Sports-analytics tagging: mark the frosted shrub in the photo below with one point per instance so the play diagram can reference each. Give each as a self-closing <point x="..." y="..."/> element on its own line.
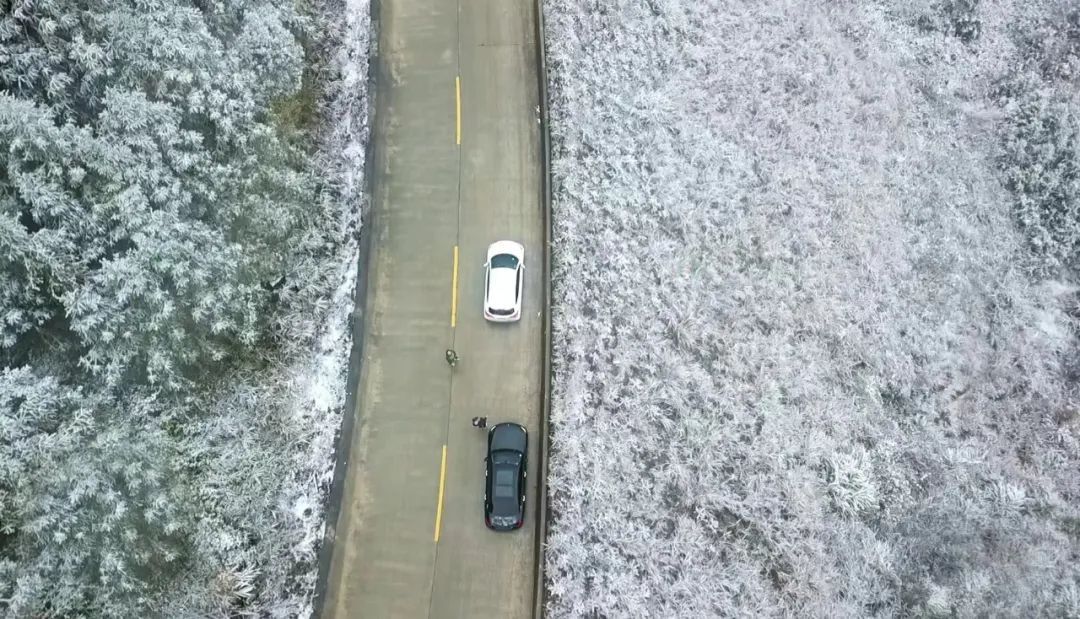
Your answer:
<point x="939" y="602"/>
<point x="1041" y="164"/>
<point x="234" y="587"/>
<point x="962" y="17"/>
<point x="851" y="484"/>
<point x="808" y="361"/>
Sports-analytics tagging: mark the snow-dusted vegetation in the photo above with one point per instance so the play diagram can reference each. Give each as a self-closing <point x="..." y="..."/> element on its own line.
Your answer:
<point x="180" y="184"/>
<point x="816" y="308"/>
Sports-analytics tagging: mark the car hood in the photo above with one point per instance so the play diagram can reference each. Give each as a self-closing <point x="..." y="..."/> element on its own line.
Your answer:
<point x="501" y="288"/>
<point x="509" y="436"/>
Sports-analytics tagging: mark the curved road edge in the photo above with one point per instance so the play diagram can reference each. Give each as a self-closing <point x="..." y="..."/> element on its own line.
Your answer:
<point x="540" y="585"/>
<point x="357" y="323"/>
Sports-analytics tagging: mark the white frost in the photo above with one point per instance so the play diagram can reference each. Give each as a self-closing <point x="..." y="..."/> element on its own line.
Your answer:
<point x="789" y="295"/>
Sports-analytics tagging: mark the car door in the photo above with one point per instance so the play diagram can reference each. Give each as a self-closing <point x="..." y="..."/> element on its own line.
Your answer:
<point x="487" y="284"/>
<point x="487" y="485"/>
<point x="523" y="474"/>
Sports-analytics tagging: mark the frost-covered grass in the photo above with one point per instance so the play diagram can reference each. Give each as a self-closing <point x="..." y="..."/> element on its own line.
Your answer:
<point x="806" y="361"/>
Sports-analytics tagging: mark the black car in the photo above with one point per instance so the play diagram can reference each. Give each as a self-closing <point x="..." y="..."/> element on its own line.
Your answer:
<point x="504" y="484"/>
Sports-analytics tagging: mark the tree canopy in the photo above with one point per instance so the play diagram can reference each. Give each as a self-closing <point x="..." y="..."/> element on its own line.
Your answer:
<point x="150" y="199"/>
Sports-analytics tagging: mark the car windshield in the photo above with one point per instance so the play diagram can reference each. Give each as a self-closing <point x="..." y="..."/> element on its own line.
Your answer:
<point x="504" y="261"/>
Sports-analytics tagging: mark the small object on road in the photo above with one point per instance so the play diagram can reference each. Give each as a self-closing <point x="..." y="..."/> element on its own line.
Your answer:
<point x="479" y="422"/>
<point x="451" y="357"/>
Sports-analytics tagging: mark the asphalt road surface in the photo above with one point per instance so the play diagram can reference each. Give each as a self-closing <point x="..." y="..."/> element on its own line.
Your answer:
<point x="457" y="167"/>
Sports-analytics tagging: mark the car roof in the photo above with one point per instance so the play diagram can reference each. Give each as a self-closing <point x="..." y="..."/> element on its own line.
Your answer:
<point x="505" y="505"/>
<point x="502" y="288"/>
<point x="510" y="436"/>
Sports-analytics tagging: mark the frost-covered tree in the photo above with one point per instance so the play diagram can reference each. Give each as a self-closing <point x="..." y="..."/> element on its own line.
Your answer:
<point x="155" y="192"/>
<point x="155" y="185"/>
<point x="24" y="296"/>
<point x="92" y="517"/>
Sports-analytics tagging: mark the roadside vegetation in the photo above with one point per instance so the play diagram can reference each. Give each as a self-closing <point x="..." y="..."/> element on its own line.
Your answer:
<point x="816" y="308"/>
<point x="179" y="198"/>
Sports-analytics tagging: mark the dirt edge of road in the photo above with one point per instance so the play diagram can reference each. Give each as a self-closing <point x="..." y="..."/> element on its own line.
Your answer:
<point x="357" y="320"/>
<point x="540" y="586"/>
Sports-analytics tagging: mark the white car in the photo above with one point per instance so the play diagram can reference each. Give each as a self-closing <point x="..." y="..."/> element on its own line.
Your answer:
<point x="504" y="281"/>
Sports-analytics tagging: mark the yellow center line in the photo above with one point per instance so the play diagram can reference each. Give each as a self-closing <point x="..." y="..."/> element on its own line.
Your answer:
<point x="457" y="99"/>
<point x="453" y="292"/>
<point x="442" y="485"/>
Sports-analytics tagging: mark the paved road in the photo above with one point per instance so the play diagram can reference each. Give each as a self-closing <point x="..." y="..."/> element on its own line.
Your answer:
<point x="432" y="195"/>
